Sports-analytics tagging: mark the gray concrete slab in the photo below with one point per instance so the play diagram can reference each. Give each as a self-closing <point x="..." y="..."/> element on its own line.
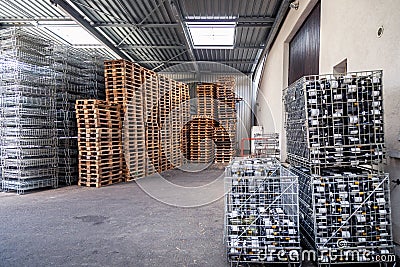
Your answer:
<point x="118" y="225"/>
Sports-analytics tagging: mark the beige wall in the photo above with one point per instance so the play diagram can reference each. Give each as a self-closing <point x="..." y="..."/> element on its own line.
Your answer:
<point x="348" y="30"/>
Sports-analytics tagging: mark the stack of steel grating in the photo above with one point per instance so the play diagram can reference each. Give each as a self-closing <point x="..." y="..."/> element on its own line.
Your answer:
<point x="261" y="212"/>
<point x="27" y="100"/>
<point x="99" y="143"/>
<point x="77" y="77"/>
<point x="335" y="138"/>
<point x="225" y="134"/>
<point x="123" y="80"/>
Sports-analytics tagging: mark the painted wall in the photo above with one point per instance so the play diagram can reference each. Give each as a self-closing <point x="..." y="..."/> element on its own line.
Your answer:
<point x="348" y="30"/>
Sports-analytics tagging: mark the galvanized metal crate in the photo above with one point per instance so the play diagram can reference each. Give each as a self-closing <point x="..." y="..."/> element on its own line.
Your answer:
<point x="261" y="212"/>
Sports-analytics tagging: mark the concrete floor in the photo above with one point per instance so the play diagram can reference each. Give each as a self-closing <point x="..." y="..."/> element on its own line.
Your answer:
<point x="118" y="225"/>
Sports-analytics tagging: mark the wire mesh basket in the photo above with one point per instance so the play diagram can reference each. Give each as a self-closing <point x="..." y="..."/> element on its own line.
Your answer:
<point x="261" y="212"/>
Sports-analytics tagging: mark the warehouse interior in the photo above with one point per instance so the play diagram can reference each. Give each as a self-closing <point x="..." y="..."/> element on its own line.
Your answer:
<point x="199" y="132"/>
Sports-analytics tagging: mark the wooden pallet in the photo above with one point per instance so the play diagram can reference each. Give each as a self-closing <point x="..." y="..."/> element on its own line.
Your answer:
<point x="100" y="182"/>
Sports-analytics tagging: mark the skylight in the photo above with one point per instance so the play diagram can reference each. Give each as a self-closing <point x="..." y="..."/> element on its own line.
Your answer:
<point x="74" y="35"/>
<point x="212" y="34"/>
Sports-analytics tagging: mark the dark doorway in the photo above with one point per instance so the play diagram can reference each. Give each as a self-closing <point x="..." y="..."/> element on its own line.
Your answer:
<point x="304" y="47"/>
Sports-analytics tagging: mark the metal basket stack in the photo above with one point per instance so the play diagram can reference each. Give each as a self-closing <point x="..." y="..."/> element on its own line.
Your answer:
<point x="261" y="212"/>
<point x="27" y="100"/>
<point x="79" y="75"/>
<point x="335" y="143"/>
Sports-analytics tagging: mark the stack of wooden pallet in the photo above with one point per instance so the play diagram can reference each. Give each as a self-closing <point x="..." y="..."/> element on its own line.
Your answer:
<point x="152" y="115"/>
<point x="150" y="111"/>
<point x="205" y="95"/>
<point x="123" y="80"/>
<point x="99" y="143"/>
<point x="200" y="130"/>
<point x="176" y="122"/>
<point x="223" y="145"/>
<point x="165" y="129"/>
<point x="201" y="134"/>
<point x="225" y="134"/>
<point x="185" y="114"/>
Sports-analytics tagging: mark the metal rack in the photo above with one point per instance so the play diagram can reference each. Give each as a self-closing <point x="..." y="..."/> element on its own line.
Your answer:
<point x="261" y="212"/>
<point x="27" y="101"/>
<point x="335" y="120"/>
<point x="78" y="75"/>
<point x="265" y="146"/>
<point x="40" y="82"/>
<point x="335" y="140"/>
<point x="346" y="212"/>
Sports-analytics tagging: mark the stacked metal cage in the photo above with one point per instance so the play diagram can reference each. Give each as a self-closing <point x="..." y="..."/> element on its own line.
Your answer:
<point x="267" y="145"/>
<point x="261" y="212"/>
<point x="79" y="75"/>
<point x="27" y="99"/>
<point x="335" y="120"/>
<point x="345" y="215"/>
<point x="335" y="141"/>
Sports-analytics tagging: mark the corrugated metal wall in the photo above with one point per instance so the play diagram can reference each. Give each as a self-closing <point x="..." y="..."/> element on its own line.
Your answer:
<point x="210" y="72"/>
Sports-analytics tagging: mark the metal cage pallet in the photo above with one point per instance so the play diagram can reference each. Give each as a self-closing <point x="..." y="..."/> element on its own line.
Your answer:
<point x="346" y="212"/>
<point x="261" y="212"/>
<point x="342" y="116"/>
<point x="27" y="104"/>
<point x="79" y="75"/>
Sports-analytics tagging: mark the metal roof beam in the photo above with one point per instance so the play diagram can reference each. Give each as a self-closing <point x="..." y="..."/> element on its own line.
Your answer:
<point x="240" y="22"/>
<point x="182" y="61"/>
<point x="280" y="17"/>
<point x="255" y="20"/>
<point x="144" y="26"/>
<point x="176" y="10"/>
<point x="68" y="9"/>
<point x="20" y="20"/>
<point x="129" y="47"/>
<point x="253" y="25"/>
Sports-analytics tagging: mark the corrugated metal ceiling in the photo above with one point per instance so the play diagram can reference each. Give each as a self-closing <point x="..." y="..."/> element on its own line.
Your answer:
<point x="152" y="32"/>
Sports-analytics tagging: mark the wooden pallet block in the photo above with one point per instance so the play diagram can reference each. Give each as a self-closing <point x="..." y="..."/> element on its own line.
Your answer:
<point x="100" y="183"/>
